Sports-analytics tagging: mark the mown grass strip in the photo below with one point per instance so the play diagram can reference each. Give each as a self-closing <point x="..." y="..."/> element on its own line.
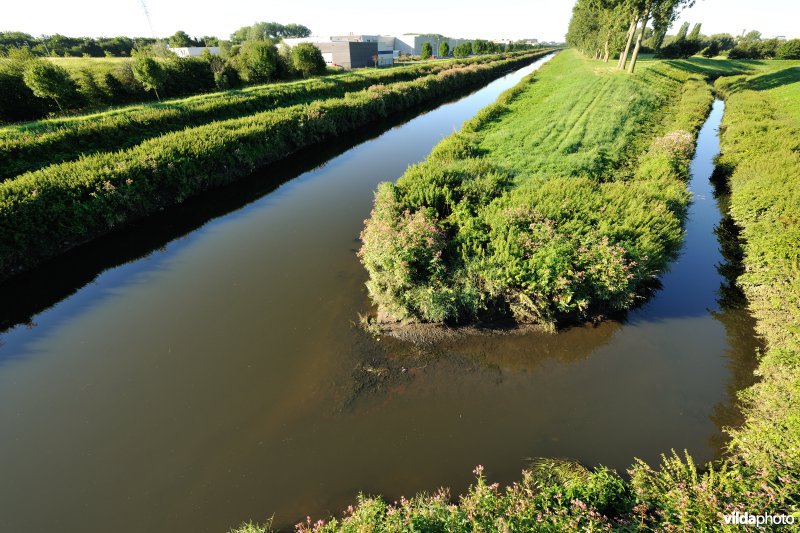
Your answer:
<point x="561" y="200"/>
<point x="50" y="210"/>
<point x="32" y="145"/>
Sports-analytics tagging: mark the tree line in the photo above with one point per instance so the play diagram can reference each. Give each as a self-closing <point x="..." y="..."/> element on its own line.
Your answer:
<point x="606" y="29"/>
<point x="34" y="86"/>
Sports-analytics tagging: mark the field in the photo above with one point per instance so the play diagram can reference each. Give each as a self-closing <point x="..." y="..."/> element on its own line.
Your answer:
<point x="52" y="209"/>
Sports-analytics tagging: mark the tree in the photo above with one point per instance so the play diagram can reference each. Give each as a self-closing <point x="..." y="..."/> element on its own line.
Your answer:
<point x="444" y="49"/>
<point x="684" y="29"/>
<point x="258" y="61"/>
<point x="752" y="36"/>
<point x="47" y="80"/>
<point x="307" y="59"/>
<point x="427" y="50"/>
<point x="462" y="50"/>
<point x="663" y="12"/>
<point x="268" y="31"/>
<point x="712" y="50"/>
<point x="181" y="40"/>
<point x="695" y="34"/>
<point x="789" y="50"/>
<point x="149" y="73"/>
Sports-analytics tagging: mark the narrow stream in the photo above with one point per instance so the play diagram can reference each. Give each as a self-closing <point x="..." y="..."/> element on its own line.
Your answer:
<point x="220" y="378"/>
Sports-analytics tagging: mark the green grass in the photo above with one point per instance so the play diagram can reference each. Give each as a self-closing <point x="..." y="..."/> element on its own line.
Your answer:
<point x="45" y="212"/>
<point x="562" y="200"/>
<point x="32" y="145"/>
<point x="761" y="154"/>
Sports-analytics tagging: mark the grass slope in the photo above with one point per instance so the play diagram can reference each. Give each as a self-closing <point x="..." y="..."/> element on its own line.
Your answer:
<point x="761" y="155"/>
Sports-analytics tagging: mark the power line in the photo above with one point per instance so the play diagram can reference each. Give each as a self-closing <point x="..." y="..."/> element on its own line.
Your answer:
<point x="147" y="15"/>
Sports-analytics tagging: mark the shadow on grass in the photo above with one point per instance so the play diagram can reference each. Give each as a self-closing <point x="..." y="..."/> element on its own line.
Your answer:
<point x="765" y="82"/>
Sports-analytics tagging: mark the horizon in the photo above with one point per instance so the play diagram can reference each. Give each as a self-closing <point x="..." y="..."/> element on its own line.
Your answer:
<point x="517" y="20"/>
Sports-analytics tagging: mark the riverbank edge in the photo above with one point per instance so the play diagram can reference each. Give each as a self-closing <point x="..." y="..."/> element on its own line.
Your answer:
<point x="51" y="210"/>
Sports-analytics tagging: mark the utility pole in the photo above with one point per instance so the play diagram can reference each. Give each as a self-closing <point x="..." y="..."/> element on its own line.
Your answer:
<point x="147" y="15"/>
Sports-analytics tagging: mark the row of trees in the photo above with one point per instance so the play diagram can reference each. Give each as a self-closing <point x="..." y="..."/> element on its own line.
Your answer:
<point x="605" y="28"/>
<point x="33" y="86"/>
<point x="62" y="46"/>
<point x="476" y="47"/>
<point x="609" y="28"/>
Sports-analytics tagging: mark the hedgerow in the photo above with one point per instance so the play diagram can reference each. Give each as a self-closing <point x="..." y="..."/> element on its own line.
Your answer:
<point x="52" y="209"/>
<point x="33" y="145"/>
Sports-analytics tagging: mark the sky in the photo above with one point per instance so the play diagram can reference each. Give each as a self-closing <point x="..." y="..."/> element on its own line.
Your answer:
<point x="545" y="20"/>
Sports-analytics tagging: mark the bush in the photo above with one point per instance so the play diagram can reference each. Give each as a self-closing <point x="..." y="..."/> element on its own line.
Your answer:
<point x="258" y="61"/>
<point x="47" y="80"/>
<point x="788" y="50"/>
<point x="307" y="59"/>
<point x="427" y="51"/>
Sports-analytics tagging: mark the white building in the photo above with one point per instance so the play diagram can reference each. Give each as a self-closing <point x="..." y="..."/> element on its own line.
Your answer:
<point x="194" y="51"/>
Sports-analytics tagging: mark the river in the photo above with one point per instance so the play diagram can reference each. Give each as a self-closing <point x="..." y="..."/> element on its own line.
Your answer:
<point x="204" y="367"/>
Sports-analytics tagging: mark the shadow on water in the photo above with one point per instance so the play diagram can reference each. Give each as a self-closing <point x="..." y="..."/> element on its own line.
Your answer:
<point x="28" y="294"/>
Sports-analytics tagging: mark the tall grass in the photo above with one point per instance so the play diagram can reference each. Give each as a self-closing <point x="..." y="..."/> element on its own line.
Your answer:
<point x="32" y="145"/>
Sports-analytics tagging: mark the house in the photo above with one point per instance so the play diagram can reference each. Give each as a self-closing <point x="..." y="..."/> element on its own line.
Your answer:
<point x="194" y="51"/>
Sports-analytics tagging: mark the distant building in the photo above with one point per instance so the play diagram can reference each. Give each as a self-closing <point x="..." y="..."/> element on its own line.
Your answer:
<point x="346" y="52"/>
<point x="411" y="44"/>
<point x="194" y="51"/>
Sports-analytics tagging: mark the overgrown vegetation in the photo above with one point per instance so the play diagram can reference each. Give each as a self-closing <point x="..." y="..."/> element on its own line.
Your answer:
<point x="542" y="207"/>
<point x="32" y="145"/>
<point x="47" y="211"/>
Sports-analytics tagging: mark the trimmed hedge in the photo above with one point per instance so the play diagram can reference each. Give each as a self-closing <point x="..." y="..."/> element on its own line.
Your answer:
<point x="33" y="145"/>
<point x="48" y="211"/>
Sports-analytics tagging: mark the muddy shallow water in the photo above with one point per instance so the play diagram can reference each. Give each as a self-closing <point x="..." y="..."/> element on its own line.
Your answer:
<point x="213" y="372"/>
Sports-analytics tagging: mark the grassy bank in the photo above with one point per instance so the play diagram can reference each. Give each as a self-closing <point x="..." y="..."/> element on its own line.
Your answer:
<point x="761" y="160"/>
<point x="32" y="145"/>
<point x="563" y="199"/>
<point x="45" y="212"/>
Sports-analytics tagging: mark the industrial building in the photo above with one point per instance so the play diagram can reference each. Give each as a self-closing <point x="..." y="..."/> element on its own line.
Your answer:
<point x="357" y="51"/>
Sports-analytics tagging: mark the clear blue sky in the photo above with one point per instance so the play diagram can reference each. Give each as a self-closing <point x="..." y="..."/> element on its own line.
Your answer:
<point x="543" y="19"/>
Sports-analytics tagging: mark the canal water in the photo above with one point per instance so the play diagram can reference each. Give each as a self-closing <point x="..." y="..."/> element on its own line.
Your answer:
<point x="213" y="372"/>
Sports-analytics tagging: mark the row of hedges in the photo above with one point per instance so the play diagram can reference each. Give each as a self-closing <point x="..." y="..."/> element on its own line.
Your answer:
<point x="541" y="208"/>
<point x="30" y="146"/>
<point x="45" y="212"/>
<point x="93" y="87"/>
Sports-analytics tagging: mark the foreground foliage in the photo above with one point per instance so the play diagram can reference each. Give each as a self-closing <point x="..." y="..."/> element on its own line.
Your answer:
<point x="50" y="210"/>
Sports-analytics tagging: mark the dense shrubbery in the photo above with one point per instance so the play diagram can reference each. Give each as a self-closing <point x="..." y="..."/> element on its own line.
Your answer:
<point x="45" y="212"/>
<point x="521" y="214"/>
<point x="28" y="146"/>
